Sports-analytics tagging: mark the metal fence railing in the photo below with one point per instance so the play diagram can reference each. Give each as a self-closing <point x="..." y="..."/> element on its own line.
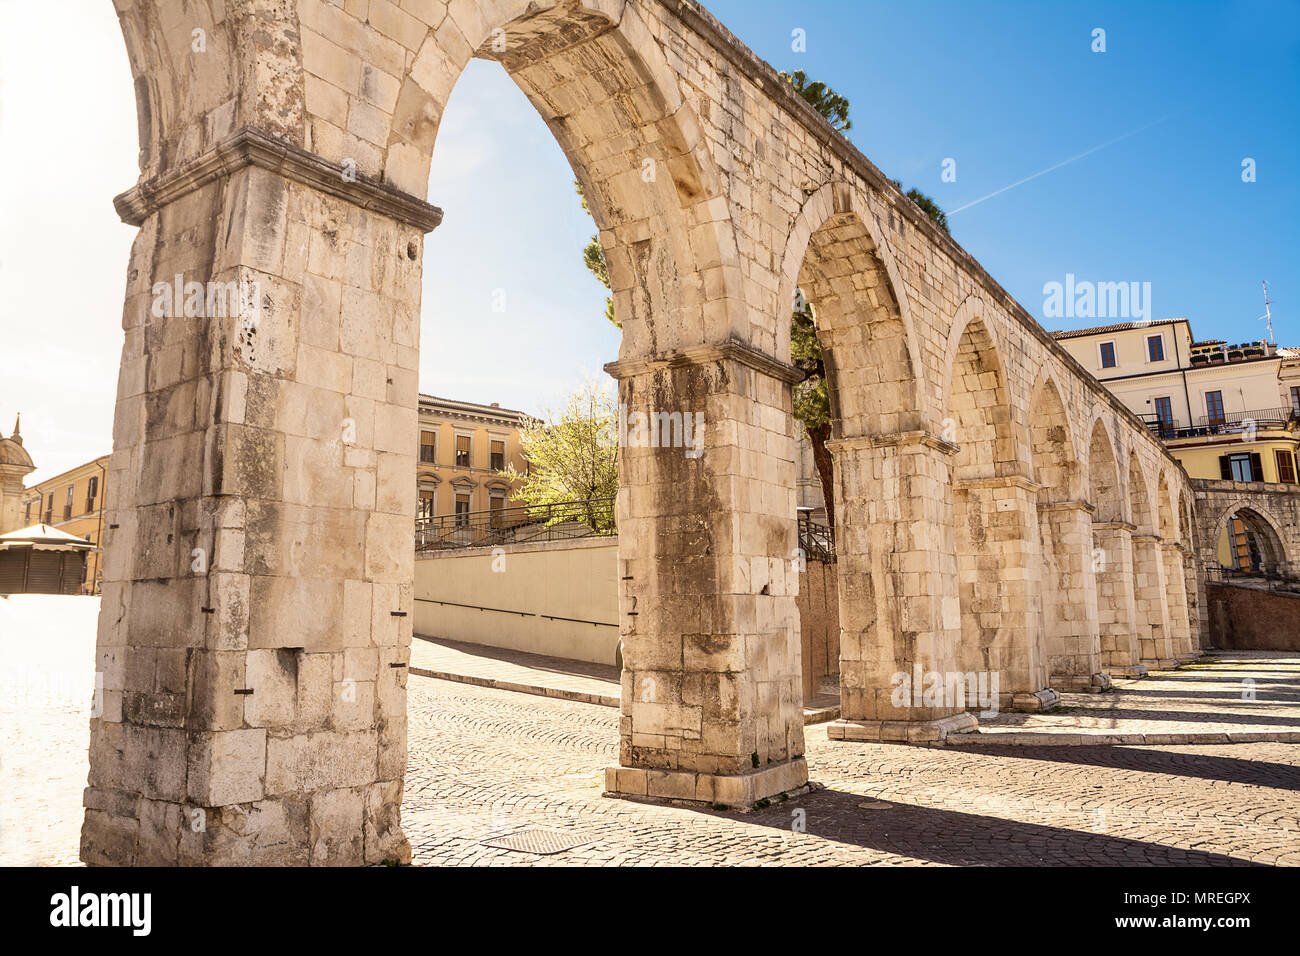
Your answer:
<point x="816" y="541"/>
<point x="565" y="521"/>
<point x="516" y="525"/>
<point x="1275" y="580"/>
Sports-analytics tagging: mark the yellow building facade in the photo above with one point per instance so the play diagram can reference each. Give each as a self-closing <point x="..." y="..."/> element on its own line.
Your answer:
<point x="73" y="502"/>
<point x="1226" y="412"/>
<point x="463" y="448"/>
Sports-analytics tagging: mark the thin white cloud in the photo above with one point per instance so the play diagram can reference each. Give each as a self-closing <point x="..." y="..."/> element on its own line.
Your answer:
<point x="1064" y="162"/>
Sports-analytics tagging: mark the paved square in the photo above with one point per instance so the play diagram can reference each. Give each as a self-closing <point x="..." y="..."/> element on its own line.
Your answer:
<point x="485" y="761"/>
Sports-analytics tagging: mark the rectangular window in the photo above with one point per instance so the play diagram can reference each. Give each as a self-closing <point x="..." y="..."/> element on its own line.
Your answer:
<point x="1285" y="466"/>
<point x="92" y="489"/>
<point x="462" y="510"/>
<point x="1242" y="467"/>
<point x="426" y="505"/>
<point x="49" y="509"/>
<point x="498" y="455"/>
<point x="1214" y="408"/>
<point x="67" y="505"/>
<point x="27" y="514"/>
<point x="462" y="451"/>
<point x="1156" y="348"/>
<point x="427" y="447"/>
<point x="1295" y="400"/>
<point x="1107" y="354"/>
<point x="497" y="506"/>
<point x="1165" y="415"/>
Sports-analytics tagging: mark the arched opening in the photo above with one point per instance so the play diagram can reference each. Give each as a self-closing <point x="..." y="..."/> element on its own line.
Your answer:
<point x="1139" y="498"/>
<point x="317" y="129"/>
<point x="995" y="526"/>
<point x="880" y="449"/>
<point x="1149" y="595"/>
<point x="844" y="286"/>
<point x="1065" y="537"/>
<point x="1177" y="619"/>
<point x="1248" y="544"/>
<point x="1112" y="558"/>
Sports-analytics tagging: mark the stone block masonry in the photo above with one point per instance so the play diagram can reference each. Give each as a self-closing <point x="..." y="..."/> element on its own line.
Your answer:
<point x="257" y="582"/>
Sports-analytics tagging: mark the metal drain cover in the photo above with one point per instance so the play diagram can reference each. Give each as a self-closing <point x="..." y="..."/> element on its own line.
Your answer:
<point x="876" y="805"/>
<point x="538" y="840"/>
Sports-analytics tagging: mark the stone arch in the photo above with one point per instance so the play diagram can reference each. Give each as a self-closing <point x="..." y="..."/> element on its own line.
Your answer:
<point x="1053" y="455"/>
<point x="1104" y="490"/>
<point x="1165" y="509"/>
<point x="600" y="82"/>
<point x="1266" y="541"/>
<point x="837" y="256"/>
<point x="1068" y="586"/>
<point x="993" y="516"/>
<point x="1139" y="497"/>
<point x="976" y="398"/>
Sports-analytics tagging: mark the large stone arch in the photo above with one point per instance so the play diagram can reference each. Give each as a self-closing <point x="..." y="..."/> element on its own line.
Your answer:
<point x="285" y="148"/>
<point x="1069" y="601"/>
<point x="1150" y="599"/>
<point x="994" y="516"/>
<point x="1053" y="450"/>
<point x="836" y="254"/>
<point x="1140" y="511"/>
<point x="1105" y="492"/>
<point x="1178" y="617"/>
<point x="281" y="447"/>
<point x="1112" y="557"/>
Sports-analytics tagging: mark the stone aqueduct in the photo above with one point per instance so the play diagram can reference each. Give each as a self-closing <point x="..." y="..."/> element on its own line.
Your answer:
<point x="997" y="509"/>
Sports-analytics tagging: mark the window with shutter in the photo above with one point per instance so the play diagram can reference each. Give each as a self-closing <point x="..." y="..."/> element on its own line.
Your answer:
<point x="462" y="451"/>
<point x="427" y="447"/>
<point x="1285" y="466"/>
<point x="1256" y="467"/>
<point x="1225" y="468"/>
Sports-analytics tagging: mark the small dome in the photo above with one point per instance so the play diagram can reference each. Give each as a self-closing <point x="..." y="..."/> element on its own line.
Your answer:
<point x="12" y="453"/>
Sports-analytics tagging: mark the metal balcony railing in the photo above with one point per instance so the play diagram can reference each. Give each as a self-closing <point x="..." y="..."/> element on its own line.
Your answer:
<point x="1230" y="423"/>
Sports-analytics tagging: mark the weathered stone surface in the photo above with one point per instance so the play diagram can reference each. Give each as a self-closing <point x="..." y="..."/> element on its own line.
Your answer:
<point x="261" y="489"/>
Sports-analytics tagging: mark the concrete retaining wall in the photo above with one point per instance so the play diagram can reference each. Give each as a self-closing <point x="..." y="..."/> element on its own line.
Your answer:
<point x="557" y="587"/>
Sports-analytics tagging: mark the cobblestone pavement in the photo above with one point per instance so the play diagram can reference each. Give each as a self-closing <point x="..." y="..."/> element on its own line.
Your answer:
<point x="486" y="762"/>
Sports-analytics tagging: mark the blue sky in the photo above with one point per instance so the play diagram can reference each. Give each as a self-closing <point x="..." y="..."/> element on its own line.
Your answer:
<point x="1005" y="89"/>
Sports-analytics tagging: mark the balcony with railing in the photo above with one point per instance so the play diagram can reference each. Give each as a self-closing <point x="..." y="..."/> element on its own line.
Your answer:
<point x="1229" y="423"/>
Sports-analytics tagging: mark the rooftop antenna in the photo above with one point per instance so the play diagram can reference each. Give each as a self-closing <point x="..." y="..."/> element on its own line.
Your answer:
<point x="1268" y="315"/>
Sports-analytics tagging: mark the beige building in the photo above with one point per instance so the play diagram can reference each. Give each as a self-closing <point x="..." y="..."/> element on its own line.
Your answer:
<point x="1227" y="412"/>
<point x="463" y="449"/>
<point x="72" y="502"/>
